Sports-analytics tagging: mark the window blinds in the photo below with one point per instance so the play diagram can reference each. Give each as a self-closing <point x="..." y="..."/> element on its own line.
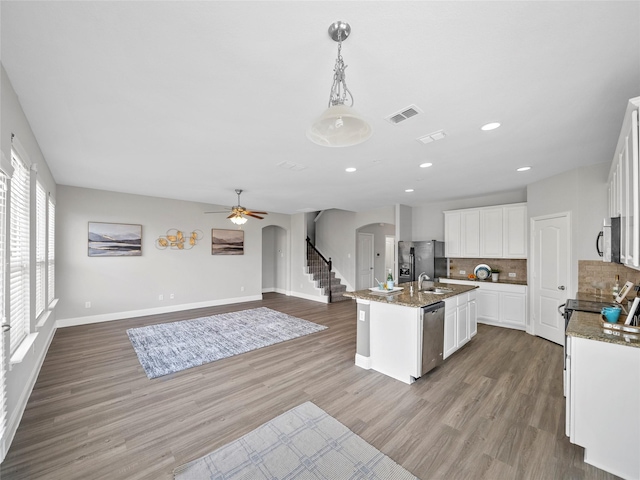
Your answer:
<point x="3" y="213"/>
<point x="19" y="252"/>
<point x="41" y="245"/>
<point x="51" y="253"/>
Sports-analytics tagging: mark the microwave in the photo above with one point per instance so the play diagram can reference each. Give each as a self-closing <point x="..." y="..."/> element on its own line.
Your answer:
<point x="609" y="238"/>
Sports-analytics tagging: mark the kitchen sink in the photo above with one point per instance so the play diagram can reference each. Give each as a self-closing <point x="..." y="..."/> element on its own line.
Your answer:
<point x="436" y="290"/>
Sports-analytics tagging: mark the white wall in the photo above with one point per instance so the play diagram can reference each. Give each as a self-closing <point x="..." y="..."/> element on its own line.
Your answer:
<point x="336" y="237"/>
<point x="428" y="220"/>
<point x="21" y="377"/>
<point x="583" y="192"/>
<point x="120" y="287"/>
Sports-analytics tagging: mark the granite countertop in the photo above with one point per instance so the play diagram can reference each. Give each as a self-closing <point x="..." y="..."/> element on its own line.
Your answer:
<point x="589" y="326"/>
<point x="404" y="297"/>
<point x="505" y="280"/>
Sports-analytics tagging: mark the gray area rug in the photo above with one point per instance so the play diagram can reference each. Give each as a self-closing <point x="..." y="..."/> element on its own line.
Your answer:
<point x="170" y="347"/>
<point x="303" y="443"/>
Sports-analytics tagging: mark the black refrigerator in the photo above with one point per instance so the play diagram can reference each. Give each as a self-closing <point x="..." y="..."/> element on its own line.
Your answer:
<point x="417" y="257"/>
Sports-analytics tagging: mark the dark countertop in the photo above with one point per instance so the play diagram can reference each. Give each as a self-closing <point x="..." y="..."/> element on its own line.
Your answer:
<point x="589" y="326"/>
<point x="404" y="297"/>
<point x="506" y="281"/>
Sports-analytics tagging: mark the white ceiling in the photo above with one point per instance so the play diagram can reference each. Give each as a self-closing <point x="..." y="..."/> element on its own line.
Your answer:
<point x="190" y="100"/>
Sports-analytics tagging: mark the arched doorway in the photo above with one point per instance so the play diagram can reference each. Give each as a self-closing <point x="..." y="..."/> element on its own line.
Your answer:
<point x="275" y="257"/>
<point x="382" y="238"/>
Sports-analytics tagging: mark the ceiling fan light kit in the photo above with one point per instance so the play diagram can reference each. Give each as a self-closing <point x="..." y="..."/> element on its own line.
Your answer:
<point x="340" y="125"/>
<point x="239" y="214"/>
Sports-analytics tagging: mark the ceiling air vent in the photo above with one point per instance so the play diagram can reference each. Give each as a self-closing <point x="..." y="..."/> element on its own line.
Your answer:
<point x="432" y="137"/>
<point x="296" y="167"/>
<point x="404" y="114"/>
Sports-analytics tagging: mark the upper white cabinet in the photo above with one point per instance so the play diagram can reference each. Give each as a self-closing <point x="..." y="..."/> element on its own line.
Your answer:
<point x="623" y="186"/>
<point x="470" y="240"/>
<point x="488" y="232"/>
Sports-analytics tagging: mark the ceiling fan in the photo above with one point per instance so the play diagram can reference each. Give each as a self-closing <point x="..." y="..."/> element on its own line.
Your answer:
<point x="239" y="214"/>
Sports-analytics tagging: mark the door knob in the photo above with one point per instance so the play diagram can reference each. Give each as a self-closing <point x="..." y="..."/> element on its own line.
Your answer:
<point x="561" y="287"/>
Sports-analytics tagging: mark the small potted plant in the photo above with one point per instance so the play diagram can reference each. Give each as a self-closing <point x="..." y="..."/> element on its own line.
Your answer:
<point x="495" y="274"/>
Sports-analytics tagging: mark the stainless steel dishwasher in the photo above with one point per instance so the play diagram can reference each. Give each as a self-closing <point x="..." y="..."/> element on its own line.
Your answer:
<point x="432" y="336"/>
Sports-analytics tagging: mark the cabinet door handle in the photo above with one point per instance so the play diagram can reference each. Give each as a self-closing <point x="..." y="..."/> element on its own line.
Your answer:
<point x="561" y="287"/>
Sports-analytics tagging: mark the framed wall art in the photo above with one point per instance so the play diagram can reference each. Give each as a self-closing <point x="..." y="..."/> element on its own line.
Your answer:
<point x="227" y="242"/>
<point x="115" y="240"/>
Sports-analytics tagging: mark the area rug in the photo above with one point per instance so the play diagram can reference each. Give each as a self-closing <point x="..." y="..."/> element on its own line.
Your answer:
<point x="171" y="347"/>
<point x="303" y="443"/>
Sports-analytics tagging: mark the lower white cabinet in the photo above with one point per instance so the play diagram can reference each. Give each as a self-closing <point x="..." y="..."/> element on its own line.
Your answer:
<point x="499" y="304"/>
<point x="603" y="394"/>
<point x="460" y="322"/>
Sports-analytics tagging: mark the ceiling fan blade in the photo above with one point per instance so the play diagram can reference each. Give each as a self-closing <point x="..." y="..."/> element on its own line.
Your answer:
<point x="250" y="214"/>
<point x="232" y="215"/>
<point x="259" y="213"/>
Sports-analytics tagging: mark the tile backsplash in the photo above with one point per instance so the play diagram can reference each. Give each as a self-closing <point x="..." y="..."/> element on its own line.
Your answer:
<point x="592" y="271"/>
<point x="506" y="266"/>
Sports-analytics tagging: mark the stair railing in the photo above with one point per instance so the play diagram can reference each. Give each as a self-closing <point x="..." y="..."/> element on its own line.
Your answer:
<point x="317" y="263"/>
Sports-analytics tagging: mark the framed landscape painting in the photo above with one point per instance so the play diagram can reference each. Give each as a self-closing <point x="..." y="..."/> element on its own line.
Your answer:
<point x="227" y="242"/>
<point x="115" y="240"/>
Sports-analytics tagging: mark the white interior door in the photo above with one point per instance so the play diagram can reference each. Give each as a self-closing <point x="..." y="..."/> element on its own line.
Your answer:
<point x="365" y="261"/>
<point x="551" y="254"/>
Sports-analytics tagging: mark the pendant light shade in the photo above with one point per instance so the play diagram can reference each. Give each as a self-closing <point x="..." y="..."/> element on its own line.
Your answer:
<point x="339" y="126"/>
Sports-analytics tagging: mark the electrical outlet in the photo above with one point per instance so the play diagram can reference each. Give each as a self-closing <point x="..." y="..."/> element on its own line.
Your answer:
<point x="512" y="274"/>
<point x="160" y="297"/>
<point x="242" y="289"/>
<point x="463" y="272"/>
<point x="87" y="304"/>
<point x="171" y="295"/>
<point x="362" y="316"/>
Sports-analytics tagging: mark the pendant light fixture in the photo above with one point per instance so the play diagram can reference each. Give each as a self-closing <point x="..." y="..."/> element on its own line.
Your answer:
<point x="340" y="125"/>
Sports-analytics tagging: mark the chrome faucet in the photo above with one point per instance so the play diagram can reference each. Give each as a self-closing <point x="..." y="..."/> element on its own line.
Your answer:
<point x="423" y="276"/>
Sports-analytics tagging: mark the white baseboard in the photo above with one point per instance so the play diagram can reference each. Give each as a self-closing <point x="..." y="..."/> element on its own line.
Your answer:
<point x="16" y="415"/>
<point x="107" y="317"/>
<point x="276" y="290"/>
<point x="363" y="362"/>
<point x="321" y="299"/>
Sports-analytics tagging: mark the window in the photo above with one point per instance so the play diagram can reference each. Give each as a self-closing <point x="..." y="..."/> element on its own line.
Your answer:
<point x="51" y="253"/>
<point x="41" y="245"/>
<point x="19" y="252"/>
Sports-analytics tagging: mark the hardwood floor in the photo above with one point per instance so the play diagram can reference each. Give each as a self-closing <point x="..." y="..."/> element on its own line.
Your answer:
<point x="494" y="410"/>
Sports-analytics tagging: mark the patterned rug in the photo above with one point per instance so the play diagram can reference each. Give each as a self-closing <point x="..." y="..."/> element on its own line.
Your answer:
<point x="171" y="347"/>
<point x="303" y="443"/>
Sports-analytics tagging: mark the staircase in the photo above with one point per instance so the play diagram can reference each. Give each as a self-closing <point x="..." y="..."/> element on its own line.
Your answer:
<point x="320" y="269"/>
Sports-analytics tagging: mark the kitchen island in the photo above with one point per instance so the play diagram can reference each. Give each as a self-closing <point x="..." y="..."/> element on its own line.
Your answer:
<point x="389" y="326"/>
<point x="602" y="386"/>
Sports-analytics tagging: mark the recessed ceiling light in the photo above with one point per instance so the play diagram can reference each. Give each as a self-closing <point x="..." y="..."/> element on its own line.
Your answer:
<point x="350" y="169"/>
<point x="409" y="190"/>
<point x="523" y="169"/>
<point x="490" y="126"/>
<point x="425" y="165"/>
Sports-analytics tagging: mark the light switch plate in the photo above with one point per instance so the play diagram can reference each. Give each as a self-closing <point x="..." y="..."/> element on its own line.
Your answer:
<point x="463" y="272"/>
<point x="361" y="316"/>
<point x="512" y="274"/>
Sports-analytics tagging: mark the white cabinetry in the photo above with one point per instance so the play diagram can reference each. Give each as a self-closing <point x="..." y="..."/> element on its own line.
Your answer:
<point x="452" y="234"/>
<point x="500" y="304"/>
<point x="459" y="321"/>
<point x="624" y="186"/>
<point x="491" y="239"/>
<point x="488" y="232"/>
<point x="515" y="231"/>
<point x="603" y="385"/>
<point x="470" y="233"/>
